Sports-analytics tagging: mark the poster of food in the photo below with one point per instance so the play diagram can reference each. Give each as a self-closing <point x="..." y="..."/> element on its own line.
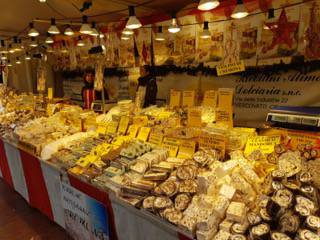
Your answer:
<point x="143" y="43"/>
<point x="163" y="50"/>
<point x="126" y="52"/>
<point x="210" y="50"/>
<point x="248" y="42"/>
<point x="280" y="35"/>
<point x="231" y="44"/>
<point x="111" y="43"/>
<point x="185" y="42"/>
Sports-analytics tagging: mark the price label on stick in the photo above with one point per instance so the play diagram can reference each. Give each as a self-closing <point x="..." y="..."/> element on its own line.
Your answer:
<point x="188" y="98"/>
<point x="175" y="98"/>
<point x="210" y="99"/>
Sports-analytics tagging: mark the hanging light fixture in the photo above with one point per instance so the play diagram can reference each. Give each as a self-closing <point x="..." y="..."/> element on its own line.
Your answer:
<point x="205" y="33"/>
<point x="9" y="63"/>
<point x="240" y="11"/>
<point x="127" y="31"/>
<point x="49" y="39"/>
<point x="11" y="49"/>
<point x="50" y="49"/>
<point x="27" y="57"/>
<point x="174" y="26"/>
<point x="159" y="35"/>
<point x="125" y="37"/>
<point x="17" y="44"/>
<point x="206" y="5"/>
<point x="3" y="57"/>
<point x="94" y="31"/>
<point x="33" y="42"/>
<point x="68" y="31"/>
<point x="85" y="27"/>
<point x="80" y="42"/>
<point x="270" y="16"/>
<point x="133" y="22"/>
<point x="3" y="48"/>
<point x="101" y="35"/>
<point x="53" y="28"/>
<point x="42" y="1"/>
<point x="32" y="31"/>
<point x="18" y="60"/>
<point x="20" y="44"/>
<point x="64" y="47"/>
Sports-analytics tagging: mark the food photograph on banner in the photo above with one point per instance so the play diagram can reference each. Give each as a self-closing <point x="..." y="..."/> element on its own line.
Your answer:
<point x="159" y="119"/>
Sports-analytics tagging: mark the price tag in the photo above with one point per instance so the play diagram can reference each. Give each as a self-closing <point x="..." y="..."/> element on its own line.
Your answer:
<point x="188" y="98"/>
<point x="264" y="143"/>
<point x="214" y="141"/>
<point x="172" y="145"/>
<point x="140" y="120"/>
<point x="225" y="98"/>
<point x="102" y="129"/>
<point x="123" y="124"/>
<point x="155" y="138"/>
<point x="50" y="93"/>
<point x="175" y="98"/>
<point x="194" y="117"/>
<point x="112" y="127"/>
<point x="144" y="133"/>
<point x="230" y="68"/>
<point x="224" y="118"/>
<point x="186" y="149"/>
<point x="133" y="130"/>
<point x="210" y="99"/>
<point x="298" y="137"/>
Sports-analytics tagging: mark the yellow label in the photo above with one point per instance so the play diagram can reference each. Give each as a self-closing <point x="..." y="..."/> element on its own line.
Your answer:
<point x="86" y="161"/>
<point x="175" y="98"/>
<point x="144" y="133"/>
<point x="102" y="129"/>
<point x="123" y="124"/>
<point x="172" y="145"/>
<point x="155" y="138"/>
<point x="225" y="98"/>
<point x="214" y="141"/>
<point x="224" y="118"/>
<point x="186" y="149"/>
<point x="210" y="99"/>
<point x="230" y="68"/>
<point x="112" y="127"/>
<point x="264" y="143"/>
<point x="50" y="93"/>
<point x="300" y="137"/>
<point x="133" y="130"/>
<point x="140" y="120"/>
<point x="188" y="98"/>
<point x="194" y="117"/>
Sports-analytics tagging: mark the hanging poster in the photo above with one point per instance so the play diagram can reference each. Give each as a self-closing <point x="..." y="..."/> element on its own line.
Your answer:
<point x="143" y="42"/>
<point x="112" y="43"/>
<point x="163" y="50"/>
<point x="126" y="52"/>
<point x="85" y="218"/>
<point x="231" y="44"/>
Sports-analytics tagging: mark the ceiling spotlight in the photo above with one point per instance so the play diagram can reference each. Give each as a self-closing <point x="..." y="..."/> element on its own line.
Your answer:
<point x="18" y="60"/>
<point x="94" y="31"/>
<point x="42" y="1"/>
<point x="85" y="27"/>
<point x="11" y="49"/>
<point x="3" y="57"/>
<point x="159" y="34"/>
<point x="68" y="31"/>
<point x="3" y="48"/>
<point x="174" y="26"/>
<point x="205" y="33"/>
<point x="101" y="35"/>
<point x="27" y="57"/>
<point x="80" y="42"/>
<point x="127" y="31"/>
<point x="32" y="32"/>
<point x="49" y="39"/>
<point x="9" y="63"/>
<point x="133" y="22"/>
<point x="206" y="5"/>
<point x="53" y="28"/>
<point x="240" y="11"/>
<point x="33" y="43"/>
<point x="125" y="37"/>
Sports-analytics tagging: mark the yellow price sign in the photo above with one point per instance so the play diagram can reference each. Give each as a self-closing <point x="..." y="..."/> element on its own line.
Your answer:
<point x="155" y="138"/>
<point x="264" y="143"/>
<point x="230" y="68"/>
<point x="102" y="129"/>
<point x="112" y="127"/>
<point x="172" y="145"/>
<point x="50" y="93"/>
<point x="188" y="98"/>
<point x="123" y="124"/>
<point x="144" y="133"/>
<point x="225" y="98"/>
<point x="214" y="141"/>
<point x="133" y="130"/>
<point x="175" y="98"/>
<point x="186" y="149"/>
<point x="210" y="99"/>
<point x="140" y="120"/>
<point x="224" y="118"/>
<point x="194" y="117"/>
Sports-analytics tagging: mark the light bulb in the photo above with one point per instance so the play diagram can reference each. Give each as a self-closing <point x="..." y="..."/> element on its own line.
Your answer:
<point x="9" y="63"/>
<point x="127" y="31"/>
<point x="174" y="27"/>
<point x="80" y="42"/>
<point x="49" y="39"/>
<point x="205" y="33"/>
<point x="240" y="11"/>
<point x="3" y="57"/>
<point x="32" y="32"/>
<point x="18" y="60"/>
<point x="125" y="37"/>
<point x="85" y="27"/>
<point x="68" y="31"/>
<point x="133" y="22"/>
<point x="42" y="1"/>
<point x="33" y="42"/>
<point x="159" y="34"/>
<point x="206" y="5"/>
<point x="27" y="57"/>
<point x="101" y="35"/>
<point x="11" y="49"/>
<point x="53" y="28"/>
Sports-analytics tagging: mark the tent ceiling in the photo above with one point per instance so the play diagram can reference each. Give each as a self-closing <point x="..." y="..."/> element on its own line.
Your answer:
<point x="16" y="14"/>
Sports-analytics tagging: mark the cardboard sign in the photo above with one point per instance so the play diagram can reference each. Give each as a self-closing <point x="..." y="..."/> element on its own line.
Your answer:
<point x="186" y="149"/>
<point x="102" y="129"/>
<point x="194" y="117"/>
<point x="155" y="138"/>
<point x="144" y="133"/>
<point x="225" y="98"/>
<point x="50" y="93"/>
<point x="230" y="68"/>
<point x="112" y="127"/>
<point x="133" y="130"/>
<point x="123" y="124"/>
<point x="264" y="143"/>
<point x="188" y="98"/>
<point x="175" y="98"/>
<point x="140" y="120"/>
<point x="299" y="137"/>
<point x="172" y="145"/>
<point x="210" y="99"/>
<point x="224" y="118"/>
<point x="214" y="141"/>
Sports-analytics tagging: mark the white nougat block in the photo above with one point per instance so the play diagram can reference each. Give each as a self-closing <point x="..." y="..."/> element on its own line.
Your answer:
<point x="227" y="191"/>
<point x="206" y="235"/>
<point x="225" y="225"/>
<point x="208" y="223"/>
<point x="236" y="212"/>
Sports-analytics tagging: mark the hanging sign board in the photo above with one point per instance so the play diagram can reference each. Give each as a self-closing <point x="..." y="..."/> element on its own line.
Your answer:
<point x="230" y="68"/>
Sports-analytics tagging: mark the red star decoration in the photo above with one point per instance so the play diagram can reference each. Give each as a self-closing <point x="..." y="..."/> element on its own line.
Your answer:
<point x="282" y="30"/>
